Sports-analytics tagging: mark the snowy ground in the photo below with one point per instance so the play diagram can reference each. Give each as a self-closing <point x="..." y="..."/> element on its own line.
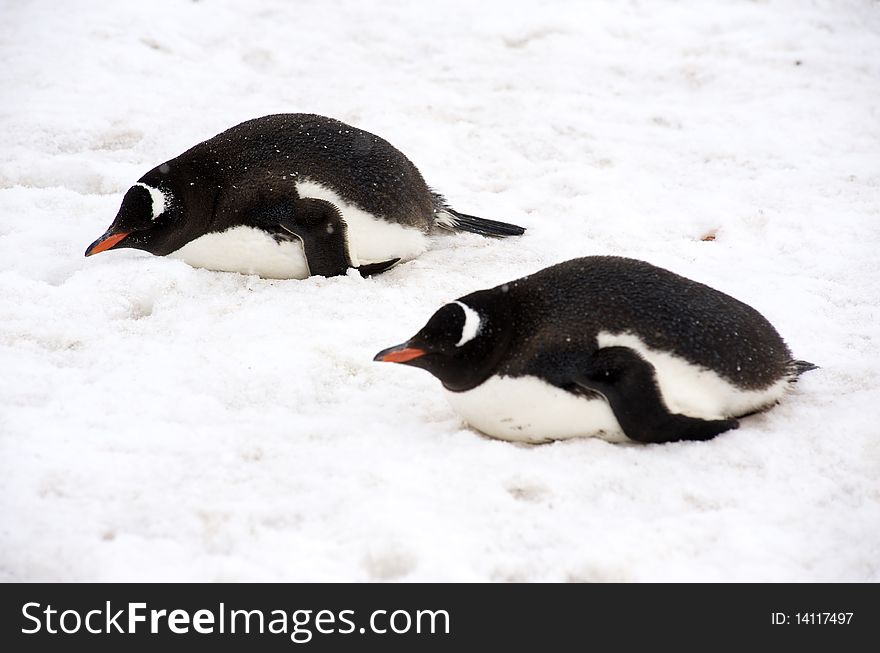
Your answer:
<point x="159" y="422"/>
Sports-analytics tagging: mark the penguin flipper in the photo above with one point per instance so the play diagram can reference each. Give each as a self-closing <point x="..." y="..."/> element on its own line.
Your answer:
<point x="324" y="235"/>
<point x="629" y="384"/>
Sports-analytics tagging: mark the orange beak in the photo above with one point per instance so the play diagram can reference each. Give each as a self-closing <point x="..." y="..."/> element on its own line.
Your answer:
<point x="105" y="242"/>
<point x="399" y="354"/>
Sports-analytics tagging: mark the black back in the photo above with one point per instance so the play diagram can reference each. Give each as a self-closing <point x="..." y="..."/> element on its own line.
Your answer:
<point x="216" y="178"/>
<point x="555" y="314"/>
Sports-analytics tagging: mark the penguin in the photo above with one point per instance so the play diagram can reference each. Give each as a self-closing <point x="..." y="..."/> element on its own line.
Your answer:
<point x="287" y="196"/>
<point x="602" y="346"/>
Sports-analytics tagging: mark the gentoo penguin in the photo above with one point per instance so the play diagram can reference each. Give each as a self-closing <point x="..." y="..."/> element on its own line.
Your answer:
<point x="285" y="196"/>
<point x="602" y="346"/>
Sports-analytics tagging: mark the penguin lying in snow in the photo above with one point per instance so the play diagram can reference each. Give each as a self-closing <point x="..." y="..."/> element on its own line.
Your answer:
<point x="602" y="346"/>
<point x="286" y="196"/>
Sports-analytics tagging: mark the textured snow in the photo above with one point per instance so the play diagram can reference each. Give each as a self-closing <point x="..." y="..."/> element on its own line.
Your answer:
<point x="160" y="422"/>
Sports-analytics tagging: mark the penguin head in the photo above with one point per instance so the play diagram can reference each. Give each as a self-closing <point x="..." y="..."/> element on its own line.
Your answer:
<point x="147" y="220"/>
<point x="459" y="345"/>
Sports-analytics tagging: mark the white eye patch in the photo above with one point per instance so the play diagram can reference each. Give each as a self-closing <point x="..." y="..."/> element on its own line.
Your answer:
<point x="472" y="324"/>
<point x="158" y="197"/>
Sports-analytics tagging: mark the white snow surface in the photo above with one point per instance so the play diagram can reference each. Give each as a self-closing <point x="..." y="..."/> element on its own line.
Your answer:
<point x="160" y="422"/>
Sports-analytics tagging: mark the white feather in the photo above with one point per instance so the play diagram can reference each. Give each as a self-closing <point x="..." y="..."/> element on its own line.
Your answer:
<point x="472" y="324"/>
<point x="246" y="250"/>
<point x="160" y="200"/>
<point x="445" y="219"/>
<point x="528" y="409"/>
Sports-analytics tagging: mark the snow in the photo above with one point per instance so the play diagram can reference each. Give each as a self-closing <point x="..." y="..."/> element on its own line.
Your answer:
<point x="160" y="422"/>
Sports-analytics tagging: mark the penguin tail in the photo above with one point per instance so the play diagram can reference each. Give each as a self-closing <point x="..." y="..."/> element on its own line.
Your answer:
<point x="799" y="367"/>
<point x="455" y="221"/>
<point x="448" y="218"/>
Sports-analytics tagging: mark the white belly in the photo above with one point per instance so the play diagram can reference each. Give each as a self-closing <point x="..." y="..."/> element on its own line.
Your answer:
<point x="248" y="251"/>
<point x="527" y="409"/>
<point x="251" y="251"/>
